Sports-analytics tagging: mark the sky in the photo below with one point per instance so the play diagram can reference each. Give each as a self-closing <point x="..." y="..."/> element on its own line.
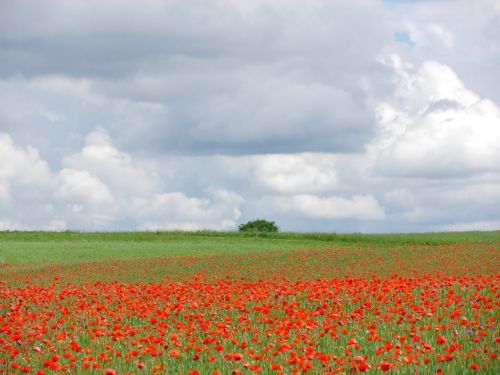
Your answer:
<point x="322" y="115"/>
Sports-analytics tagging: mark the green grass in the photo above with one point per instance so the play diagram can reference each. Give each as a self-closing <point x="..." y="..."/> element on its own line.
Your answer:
<point x="98" y="280"/>
<point x="56" y="247"/>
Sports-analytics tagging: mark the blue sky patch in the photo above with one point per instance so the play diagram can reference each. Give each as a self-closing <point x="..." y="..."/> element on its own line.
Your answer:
<point x="403" y="37"/>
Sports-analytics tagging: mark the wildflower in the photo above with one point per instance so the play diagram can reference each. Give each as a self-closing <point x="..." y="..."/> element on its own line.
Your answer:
<point x="474" y="366"/>
<point x="441" y="340"/>
<point x="384" y="366"/>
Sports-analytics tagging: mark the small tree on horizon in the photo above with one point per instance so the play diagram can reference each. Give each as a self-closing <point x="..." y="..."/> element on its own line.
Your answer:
<point x="259" y="225"/>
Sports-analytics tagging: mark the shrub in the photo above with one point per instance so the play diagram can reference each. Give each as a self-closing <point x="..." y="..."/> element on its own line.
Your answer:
<point x="259" y="225"/>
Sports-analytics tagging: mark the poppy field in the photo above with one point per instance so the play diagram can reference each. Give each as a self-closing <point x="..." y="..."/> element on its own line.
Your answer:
<point x="402" y="308"/>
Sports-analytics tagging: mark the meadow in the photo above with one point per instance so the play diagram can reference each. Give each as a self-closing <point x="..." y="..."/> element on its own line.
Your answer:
<point x="236" y="303"/>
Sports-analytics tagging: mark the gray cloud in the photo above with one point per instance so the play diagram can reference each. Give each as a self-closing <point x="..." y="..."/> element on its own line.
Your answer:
<point x="114" y="34"/>
<point x="233" y="78"/>
<point x="345" y="116"/>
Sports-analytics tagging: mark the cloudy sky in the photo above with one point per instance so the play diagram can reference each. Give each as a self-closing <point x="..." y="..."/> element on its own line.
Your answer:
<point x="323" y="115"/>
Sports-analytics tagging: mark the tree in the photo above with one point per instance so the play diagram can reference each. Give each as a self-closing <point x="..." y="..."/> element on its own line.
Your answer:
<point x="259" y="225"/>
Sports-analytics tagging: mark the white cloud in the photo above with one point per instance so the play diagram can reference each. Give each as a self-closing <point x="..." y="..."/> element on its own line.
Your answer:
<point x="475" y="225"/>
<point x="285" y="173"/>
<point x="53" y="226"/>
<point x="8" y="224"/>
<point x="80" y="186"/>
<point x="118" y="187"/>
<point x="459" y="33"/>
<point x="359" y="207"/>
<point x="22" y="166"/>
<point x="297" y="173"/>
<point x="433" y="126"/>
<point x="115" y="168"/>
<point x="178" y="211"/>
<point x="430" y="34"/>
<point x="101" y="187"/>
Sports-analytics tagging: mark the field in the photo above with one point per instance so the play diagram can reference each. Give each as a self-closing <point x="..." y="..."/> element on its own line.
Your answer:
<point x="229" y="303"/>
